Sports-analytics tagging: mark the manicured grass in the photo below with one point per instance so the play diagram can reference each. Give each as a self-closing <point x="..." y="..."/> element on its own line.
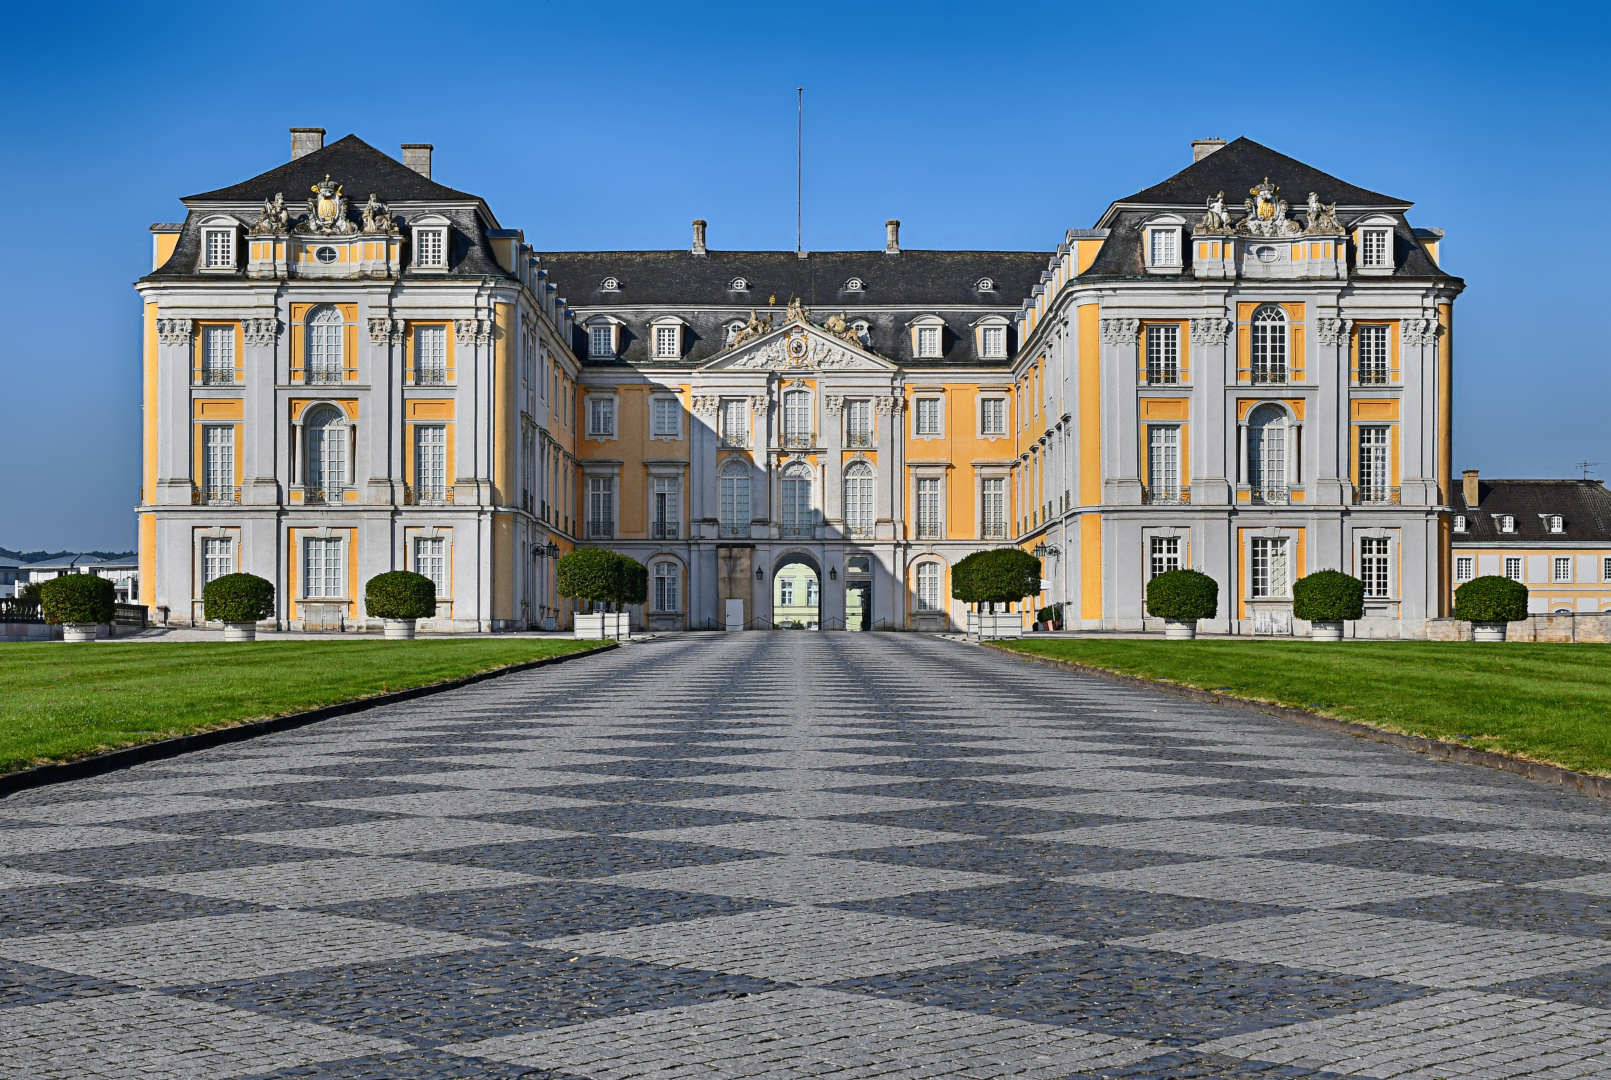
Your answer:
<point x="59" y="702"/>
<point x="1547" y="703"/>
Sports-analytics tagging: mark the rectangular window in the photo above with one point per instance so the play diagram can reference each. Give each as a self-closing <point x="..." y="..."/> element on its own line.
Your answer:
<point x="665" y="512"/>
<point x="928" y="342"/>
<point x="1373" y="567"/>
<point x="217" y="559"/>
<point x="994" y="497"/>
<point x="1465" y="568"/>
<point x="993" y="416"/>
<point x="1605" y="571"/>
<point x="1165" y="247"/>
<point x="1163" y="354"/>
<point x="665" y="342"/>
<point x="1375" y="247"/>
<point x="430" y="355"/>
<point x="430" y="463"/>
<point x="1269" y="577"/>
<point x="735" y="422"/>
<point x="928" y="508"/>
<point x="994" y="342"/>
<point x="1165" y="554"/>
<point x="218" y="441"/>
<point x="1513" y="567"/>
<point x="430" y="560"/>
<point x="667" y="417"/>
<point x="600" y="417"/>
<point x="1373" y="464"/>
<point x="666" y="596"/>
<point x="786" y="592"/>
<point x="1373" y="355"/>
<point x="735" y="496"/>
<point x="1563" y="568"/>
<point x="928" y="416"/>
<point x="601" y="340"/>
<point x="218" y="355"/>
<point x="1163" y="462"/>
<point x="600" y="507"/>
<point x="221" y="248"/>
<point x="859" y="423"/>
<point x="322" y="567"/>
<point x="797" y="418"/>
<point x="928" y="586"/>
<point x="430" y="247"/>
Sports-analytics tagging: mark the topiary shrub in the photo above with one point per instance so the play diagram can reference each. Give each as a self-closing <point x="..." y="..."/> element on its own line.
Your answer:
<point x="238" y="598"/>
<point x="1182" y="595"/>
<point x="400" y="594"/>
<point x="1328" y="596"/>
<point x="996" y="576"/>
<point x="634" y="581"/>
<point x="591" y="574"/>
<point x="1052" y="614"/>
<point x="78" y="598"/>
<point x="1491" y="599"/>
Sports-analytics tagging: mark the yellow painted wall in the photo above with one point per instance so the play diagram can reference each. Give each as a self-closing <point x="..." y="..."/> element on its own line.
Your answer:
<point x="506" y="411"/>
<point x="503" y="566"/>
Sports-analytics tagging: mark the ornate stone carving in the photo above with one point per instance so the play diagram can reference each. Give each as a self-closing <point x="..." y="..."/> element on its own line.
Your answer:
<point x="1120" y="331"/>
<point x="378" y="218"/>
<point x="386" y="331"/>
<point x="750" y="330"/>
<point x="260" y="331"/>
<point x="1217" y="221"/>
<point x="833" y="402"/>
<point x="759" y="404"/>
<point x="889" y="406"/>
<point x="840" y="328"/>
<point x="275" y="219"/>
<point x="796" y="311"/>
<point x="174" y="331"/>
<point x="327" y="211"/>
<point x="1322" y="218"/>
<point x="1266" y="213"/>
<point x="1419" y="331"/>
<point x="1331" y="331"/>
<point x="1209" y="331"/>
<point x="707" y="405"/>
<point x="472" y="331"/>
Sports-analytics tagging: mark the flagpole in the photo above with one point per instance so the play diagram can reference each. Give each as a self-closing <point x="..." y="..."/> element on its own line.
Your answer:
<point x="799" y="169"/>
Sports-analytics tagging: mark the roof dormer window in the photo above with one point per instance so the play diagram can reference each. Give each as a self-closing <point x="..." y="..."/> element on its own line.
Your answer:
<point x="219" y="249"/>
<point x="667" y="337"/>
<point x="1162" y="245"/>
<point x="610" y="284"/>
<point x="985" y="284"/>
<point x="739" y="284"/>
<point x="854" y="285"/>
<point x="1373" y="245"/>
<point x="1505" y="523"/>
<point x="928" y="337"/>
<point x="1554" y="523"/>
<point x="1459" y="523"/>
<point x="601" y="340"/>
<point x="431" y="244"/>
<point x="992" y="340"/>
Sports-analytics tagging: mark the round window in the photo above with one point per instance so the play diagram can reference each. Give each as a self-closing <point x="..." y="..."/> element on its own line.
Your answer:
<point x="739" y="284"/>
<point x="1266" y="254"/>
<point x="325" y="254"/>
<point x="611" y="284"/>
<point x="985" y="285"/>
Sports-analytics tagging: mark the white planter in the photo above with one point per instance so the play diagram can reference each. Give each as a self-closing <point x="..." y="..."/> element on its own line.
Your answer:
<point x="400" y="629"/>
<point x="1326" y="631"/>
<point x="240" y="631"/>
<point x="78" y="631"/>
<point x="989" y="625"/>
<point x="621" y="627"/>
<point x="1180" y="629"/>
<point x="591" y="627"/>
<point x="1488" y="631"/>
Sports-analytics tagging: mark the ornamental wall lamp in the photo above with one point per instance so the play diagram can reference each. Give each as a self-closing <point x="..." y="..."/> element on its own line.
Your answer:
<point x="833" y="573"/>
<point x="760" y="574"/>
<point x="1043" y="550"/>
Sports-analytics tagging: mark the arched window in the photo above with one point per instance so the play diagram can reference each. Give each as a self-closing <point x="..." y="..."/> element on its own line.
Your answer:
<point x="326" y="360"/>
<point x="735" y="484"/>
<point x="928" y="586"/>
<point x="1267" y="453"/>
<point x="1269" y="345"/>
<point x="795" y="489"/>
<point x="859" y="499"/>
<point x="666" y="596"/>
<point x="326" y="434"/>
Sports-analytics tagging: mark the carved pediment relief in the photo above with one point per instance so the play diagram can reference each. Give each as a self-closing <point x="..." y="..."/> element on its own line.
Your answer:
<point x="798" y="345"/>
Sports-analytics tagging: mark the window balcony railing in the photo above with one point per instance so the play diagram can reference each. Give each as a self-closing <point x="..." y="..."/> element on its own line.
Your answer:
<point x="665" y="530"/>
<point x="600" y="530"/>
<point x="218" y="378"/>
<point x="429" y="496"/>
<point x="799" y="441"/>
<point x="214" y="496"/>
<point x="430" y="378"/>
<point x="1166" y="496"/>
<point x="322" y="377"/>
<point x="1272" y="496"/>
<point x="1374" y="496"/>
<point x="315" y="496"/>
<point x="803" y="532"/>
<point x="995" y="530"/>
<point x="929" y="531"/>
<point x="734" y="528"/>
<point x="735" y="439"/>
<point x="1277" y="377"/>
<point x="859" y="440"/>
<point x="1368" y="377"/>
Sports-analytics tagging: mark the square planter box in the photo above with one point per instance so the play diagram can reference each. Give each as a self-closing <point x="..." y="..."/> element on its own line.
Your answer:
<point x="604" y="624"/>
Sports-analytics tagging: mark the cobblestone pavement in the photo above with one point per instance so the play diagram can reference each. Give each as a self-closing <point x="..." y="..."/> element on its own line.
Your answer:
<point x="802" y="855"/>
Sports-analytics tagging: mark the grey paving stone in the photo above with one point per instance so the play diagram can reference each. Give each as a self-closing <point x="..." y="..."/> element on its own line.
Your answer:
<point x="322" y="882"/>
<point x="1274" y="881"/>
<point x="804" y="879"/>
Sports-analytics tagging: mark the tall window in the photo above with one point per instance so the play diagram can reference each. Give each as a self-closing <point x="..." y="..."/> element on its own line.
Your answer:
<point x="1513" y="567"/>
<point x="430" y="247"/>
<point x="735" y="422"/>
<point x="665" y="512"/>
<point x="1165" y="554"/>
<point x="430" y="463"/>
<point x="928" y="586"/>
<point x="859" y="499"/>
<point x="218" y="355"/>
<point x="1563" y="568"/>
<point x="665" y="342"/>
<point x="217" y="559"/>
<point x="1267" y="453"/>
<point x="326" y="432"/>
<point x="797" y="418"/>
<point x="928" y="508"/>
<point x="993" y="497"/>
<point x="327" y="361"/>
<point x="993" y="415"/>
<point x="1269" y="566"/>
<point x="994" y="342"/>
<point x="1163" y="352"/>
<point x="928" y="342"/>
<point x="786" y="592"/>
<point x="430" y="560"/>
<point x="430" y="355"/>
<point x="218" y="479"/>
<point x="1163" y="462"/>
<point x="1269" y="345"/>
<point x="1605" y="572"/>
<point x="795" y="490"/>
<point x="1375" y="247"/>
<point x="1373" y="463"/>
<point x="220" y="245"/>
<point x="600" y="417"/>
<point x="1373" y="567"/>
<point x="1373" y="355"/>
<point x="321" y="558"/>
<point x="1465" y="568"/>
<point x="1165" y="247"/>
<point x="859" y="423"/>
<point x="735" y="510"/>
<point x="667" y="422"/>
<point x="666" y="596"/>
<point x="601" y="340"/>
<point x="928" y="416"/>
<point x="601" y="507"/>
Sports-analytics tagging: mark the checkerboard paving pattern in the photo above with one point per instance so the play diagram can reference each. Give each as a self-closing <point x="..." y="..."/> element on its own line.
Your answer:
<point x="803" y="856"/>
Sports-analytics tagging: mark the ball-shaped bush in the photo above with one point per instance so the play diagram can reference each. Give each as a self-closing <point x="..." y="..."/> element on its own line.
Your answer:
<point x="592" y="574"/>
<point x="1182" y="595"/>
<point x="634" y="581"/>
<point x="1328" y="596"/>
<point x="996" y="576"/>
<point x="400" y="594"/>
<point x="238" y="598"/>
<point x="78" y="598"/>
<point x="1491" y="599"/>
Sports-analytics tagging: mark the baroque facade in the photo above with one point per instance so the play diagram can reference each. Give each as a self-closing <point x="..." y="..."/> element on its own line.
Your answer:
<point x="798" y="439"/>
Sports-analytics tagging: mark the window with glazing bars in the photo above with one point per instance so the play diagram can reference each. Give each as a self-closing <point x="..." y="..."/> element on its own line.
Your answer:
<point x="993" y="496"/>
<point x="797" y="418"/>
<point x="327" y="455"/>
<point x="601" y="340"/>
<point x="218" y="477"/>
<point x="1513" y="567"/>
<point x="1563" y="568"/>
<point x="667" y="417"/>
<point x="1165" y="555"/>
<point x="859" y="423"/>
<point x="928" y="416"/>
<point x="665" y="512"/>
<point x="1465" y="568"/>
<point x="1163" y="354"/>
<point x="1373" y="355"/>
<point x="430" y="247"/>
<point x="1163" y="461"/>
<point x="430" y="463"/>
<point x="735" y="509"/>
<point x="327" y="361"/>
<point x="1374" y="247"/>
<point x="665" y="342"/>
<point x="601" y="506"/>
<point x="735" y="422"/>
<point x="786" y="592"/>
<point x="322" y="566"/>
<point x="220" y="247"/>
<point x="1373" y="566"/>
<point x="993" y="416"/>
<point x="1165" y="247"/>
<point x="218" y="355"/>
<point x="430" y="355"/>
<point x="430" y="560"/>
<point x="601" y="416"/>
<point x="795" y="489"/>
<point x="928" y="342"/>
<point x="994" y="341"/>
<point x="1269" y="569"/>
<point x="1269" y="345"/>
<point x="859" y="499"/>
<point x="1605" y="571"/>
<point x="928" y="508"/>
<point x="1373" y="463"/>
<point x="928" y="586"/>
<point x="217" y="559"/>
<point x="666" y="595"/>
<point x="1267" y="451"/>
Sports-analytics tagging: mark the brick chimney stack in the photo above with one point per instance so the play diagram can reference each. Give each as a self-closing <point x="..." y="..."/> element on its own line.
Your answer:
<point x="1472" y="495"/>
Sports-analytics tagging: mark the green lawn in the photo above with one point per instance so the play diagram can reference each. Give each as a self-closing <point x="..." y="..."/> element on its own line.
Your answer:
<point x="59" y="702"/>
<point x="1548" y="703"/>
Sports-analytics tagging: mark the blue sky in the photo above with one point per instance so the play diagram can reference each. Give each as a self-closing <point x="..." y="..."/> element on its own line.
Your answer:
<point x="612" y="125"/>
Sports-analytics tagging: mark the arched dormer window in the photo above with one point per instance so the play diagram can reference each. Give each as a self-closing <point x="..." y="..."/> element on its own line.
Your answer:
<point x="1373" y="245"/>
<point x="1163" y="244"/>
<point x="1268" y="453"/>
<point x="794" y="511"/>
<point x="928" y="337"/>
<point x="859" y="513"/>
<point x="735" y="496"/>
<point x="991" y="337"/>
<point x="430" y="243"/>
<point x="219" y="247"/>
<point x="667" y="337"/>
<point x="1269" y="344"/>
<point x="326" y="360"/>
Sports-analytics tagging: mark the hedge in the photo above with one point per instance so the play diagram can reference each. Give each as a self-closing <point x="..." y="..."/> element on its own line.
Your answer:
<point x="1491" y="599"/>
<point x="996" y="576"/>
<point x="238" y="598"/>
<point x="1182" y="595"/>
<point x="78" y="598"/>
<point x="400" y="594"/>
<point x="1328" y="596"/>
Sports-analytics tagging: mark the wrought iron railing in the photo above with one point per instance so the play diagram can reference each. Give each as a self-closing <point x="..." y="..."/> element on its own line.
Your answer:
<point x="735" y="439"/>
<point x="1270" y="378"/>
<point x="316" y="496"/>
<point x="665" y="530"/>
<point x="324" y="377"/>
<point x="218" y="378"/>
<point x="600" y="530"/>
<point x="1160" y="496"/>
<point x="1369" y="377"/>
<point x="994" y="530"/>
<point x="214" y="496"/>
<point x="797" y="531"/>
<point x="431" y="496"/>
<point x="929" y="531"/>
<point x="1385" y="496"/>
<point x="1272" y="496"/>
<point x="798" y="441"/>
<point x="859" y="440"/>
<point x="734" y="528"/>
<point x="430" y="378"/>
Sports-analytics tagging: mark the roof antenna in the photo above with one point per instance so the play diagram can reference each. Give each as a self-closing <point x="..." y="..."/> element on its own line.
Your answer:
<point x="1585" y="466"/>
<point x="799" y="171"/>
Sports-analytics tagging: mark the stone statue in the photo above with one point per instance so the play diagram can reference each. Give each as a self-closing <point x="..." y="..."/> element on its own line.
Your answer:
<point x="274" y="217"/>
<point x="839" y="327"/>
<point x="1267" y="213"/>
<point x="751" y="330"/>
<point x="1217" y="219"/>
<point x="1322" y="218"/>
<point x="327" y="210"/>
<point x="797" y="311"/>
<point x="377" y="217"/>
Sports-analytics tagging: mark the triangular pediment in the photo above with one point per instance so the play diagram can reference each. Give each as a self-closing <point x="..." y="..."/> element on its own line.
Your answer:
<point x="798" y="346"/>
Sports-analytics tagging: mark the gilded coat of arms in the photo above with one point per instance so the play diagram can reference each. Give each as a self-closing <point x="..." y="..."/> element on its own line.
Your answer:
<point x="327" y="210"/>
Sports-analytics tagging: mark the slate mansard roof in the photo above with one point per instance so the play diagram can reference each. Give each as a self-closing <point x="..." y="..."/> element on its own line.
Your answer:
<point x="1584" y="507"/>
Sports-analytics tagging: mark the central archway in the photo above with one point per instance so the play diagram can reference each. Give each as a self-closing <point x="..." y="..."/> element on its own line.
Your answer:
<point x="797" y="593"/>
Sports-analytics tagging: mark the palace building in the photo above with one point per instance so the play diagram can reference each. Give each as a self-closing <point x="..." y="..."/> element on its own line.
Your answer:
<point x="349" y="368"/>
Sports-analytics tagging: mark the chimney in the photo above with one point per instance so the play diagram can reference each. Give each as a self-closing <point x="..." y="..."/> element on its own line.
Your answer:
<point x="699" y="237"/>
<point x="417" y="156"/>
<point x="305" y="141"/>
<point x="1201" y="148"/>
<point x="892" y="237"/>
<point x="1472" y="495"/>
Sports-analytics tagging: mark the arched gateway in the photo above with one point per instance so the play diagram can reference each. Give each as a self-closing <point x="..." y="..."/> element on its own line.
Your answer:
<point x="797" y="593"/>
